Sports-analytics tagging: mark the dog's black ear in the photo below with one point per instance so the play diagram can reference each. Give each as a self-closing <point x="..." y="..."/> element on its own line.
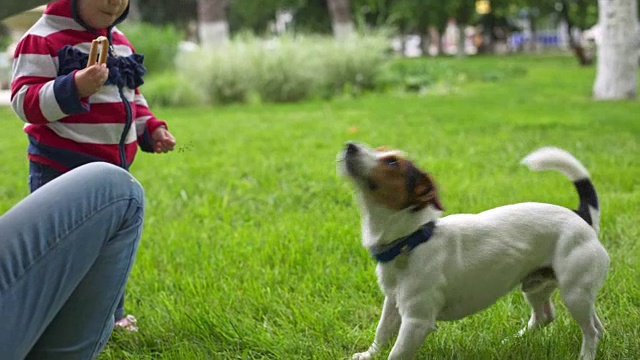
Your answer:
<point x="425" y="192"/>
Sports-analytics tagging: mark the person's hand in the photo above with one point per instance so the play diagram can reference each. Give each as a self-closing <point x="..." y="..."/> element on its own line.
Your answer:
<point x="90" y="80"/>
<point x="163" y="141"/>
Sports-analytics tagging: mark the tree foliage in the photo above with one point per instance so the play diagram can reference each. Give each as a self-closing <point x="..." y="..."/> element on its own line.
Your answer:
<point x="406" y="16"/>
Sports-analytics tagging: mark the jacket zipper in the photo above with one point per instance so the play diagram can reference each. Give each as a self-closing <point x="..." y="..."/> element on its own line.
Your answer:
<point x="128" y="120"/>
<point x="127" y="127"/>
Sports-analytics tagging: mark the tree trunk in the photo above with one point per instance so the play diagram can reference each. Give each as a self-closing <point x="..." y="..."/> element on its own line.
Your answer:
<point x="213" y="27"/>
<point x="617" y="70"/>
<point x="461" y="41"/>
<point x="341" y="21"/>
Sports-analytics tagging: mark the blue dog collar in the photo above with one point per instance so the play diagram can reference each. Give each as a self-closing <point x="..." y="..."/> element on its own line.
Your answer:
<point x="388" y="252"/>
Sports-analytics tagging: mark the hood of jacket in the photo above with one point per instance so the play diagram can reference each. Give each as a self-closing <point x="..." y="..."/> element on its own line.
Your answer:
<point x="69" y="8"/>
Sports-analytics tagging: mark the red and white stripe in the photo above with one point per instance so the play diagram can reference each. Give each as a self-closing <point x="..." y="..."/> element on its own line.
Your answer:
<point x="35" y="68"/>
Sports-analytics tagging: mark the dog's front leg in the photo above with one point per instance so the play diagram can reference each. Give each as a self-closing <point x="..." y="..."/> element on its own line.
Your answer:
<point x="413" y="332"/>
<point x="387" y="327"/>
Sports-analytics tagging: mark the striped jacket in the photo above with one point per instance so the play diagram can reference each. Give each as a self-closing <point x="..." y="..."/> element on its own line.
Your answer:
<point x="65" y="131"/>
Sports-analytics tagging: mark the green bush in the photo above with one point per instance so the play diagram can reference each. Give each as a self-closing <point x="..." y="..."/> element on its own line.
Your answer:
<point x="159" y="45"/>
<point x="169" y="89"/>
<point x="353" y="66"/>
<point x="284" y="73"/>
<point x="285" y="69"/>
<point x="225" y="76"/>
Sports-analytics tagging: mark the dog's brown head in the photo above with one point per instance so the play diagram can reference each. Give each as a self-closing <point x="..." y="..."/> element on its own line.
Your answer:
<point x="387" y="178"/>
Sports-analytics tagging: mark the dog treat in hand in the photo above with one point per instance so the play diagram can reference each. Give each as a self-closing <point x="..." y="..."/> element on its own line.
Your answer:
<point x="93" y="52"/>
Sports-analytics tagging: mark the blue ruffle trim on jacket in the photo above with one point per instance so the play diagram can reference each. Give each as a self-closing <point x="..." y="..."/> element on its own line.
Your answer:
<point x="123" y="70"/>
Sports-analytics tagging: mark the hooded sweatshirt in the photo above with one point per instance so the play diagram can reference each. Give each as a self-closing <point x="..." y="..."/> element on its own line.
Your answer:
<point x="66" y="131"/>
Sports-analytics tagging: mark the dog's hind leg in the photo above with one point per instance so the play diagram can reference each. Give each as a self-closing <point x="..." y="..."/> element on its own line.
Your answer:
<point x="580" y="275"/>
<point x="542" y="310"/>
<point x="598" y="324"/>
<point x="581" y="307"/>
<point x="537" y="288"/>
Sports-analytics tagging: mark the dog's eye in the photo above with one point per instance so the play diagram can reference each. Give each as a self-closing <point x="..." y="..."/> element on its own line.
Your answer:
<point x="391" y="161"/>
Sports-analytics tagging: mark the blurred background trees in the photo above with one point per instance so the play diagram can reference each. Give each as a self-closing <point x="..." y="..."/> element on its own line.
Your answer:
<point x="430" y="27"/>
<point x="320" y="15"/>
<point x="528" y="24"/>
<point x="164" y="30"/>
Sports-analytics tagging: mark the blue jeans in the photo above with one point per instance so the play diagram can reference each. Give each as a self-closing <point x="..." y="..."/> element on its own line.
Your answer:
<point x="66" y="251"/>
<point x="40" y="174"/>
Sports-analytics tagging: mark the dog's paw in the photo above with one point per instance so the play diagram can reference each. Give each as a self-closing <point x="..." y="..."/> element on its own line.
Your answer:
<point x="362" y="356"/>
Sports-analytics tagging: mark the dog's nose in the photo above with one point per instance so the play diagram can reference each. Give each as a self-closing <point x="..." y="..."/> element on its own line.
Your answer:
<point x="351" y="148"/>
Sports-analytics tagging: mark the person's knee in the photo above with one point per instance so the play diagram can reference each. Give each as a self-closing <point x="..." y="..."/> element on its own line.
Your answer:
<point x="117" y="179"/>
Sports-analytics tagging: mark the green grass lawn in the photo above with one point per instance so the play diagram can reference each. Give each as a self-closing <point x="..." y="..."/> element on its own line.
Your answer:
<point x="251" y="246"/>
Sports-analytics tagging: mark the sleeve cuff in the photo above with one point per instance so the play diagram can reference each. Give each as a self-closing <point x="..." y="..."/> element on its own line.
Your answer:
<point x="64" y="89"/>
<point x="153" y="124"/>
<point x="145" y="140"/>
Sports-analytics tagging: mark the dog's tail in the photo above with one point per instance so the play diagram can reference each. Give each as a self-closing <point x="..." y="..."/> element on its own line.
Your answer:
<point x="550" y="158"/>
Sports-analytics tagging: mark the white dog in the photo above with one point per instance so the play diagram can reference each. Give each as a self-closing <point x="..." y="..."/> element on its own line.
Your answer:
<point x="433" y="268"/>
